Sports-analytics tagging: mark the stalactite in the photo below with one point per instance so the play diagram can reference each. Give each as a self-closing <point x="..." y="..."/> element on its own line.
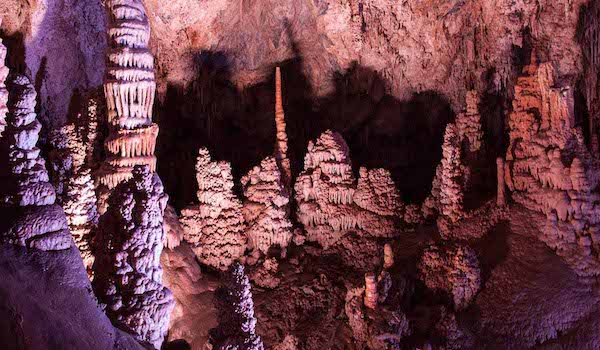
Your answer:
<point x="501" y="196"/>
<point x="3" y="90"/>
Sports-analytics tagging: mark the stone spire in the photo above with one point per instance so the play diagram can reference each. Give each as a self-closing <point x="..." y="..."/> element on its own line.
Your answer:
<point x="281" y="146"/>
<point x="28" y="199"/>
<point x="129" y="87"/>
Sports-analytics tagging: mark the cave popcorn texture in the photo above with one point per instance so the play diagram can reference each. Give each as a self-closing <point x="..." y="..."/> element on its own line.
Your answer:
<point x="215" y="227"/>
<point x="128" y="274"/>
<point x="37" y="222"/>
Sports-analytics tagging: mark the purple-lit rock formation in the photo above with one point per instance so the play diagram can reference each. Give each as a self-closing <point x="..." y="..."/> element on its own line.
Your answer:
<point x="215" y="227"/>
<point x="128" y="274"/>
<point x="29" y="199"/>
<point x="236" y="329"/>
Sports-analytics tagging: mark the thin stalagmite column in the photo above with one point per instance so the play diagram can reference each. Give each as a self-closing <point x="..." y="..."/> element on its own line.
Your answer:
<point x="281" y="146"/>
<point x="501" y="199"/>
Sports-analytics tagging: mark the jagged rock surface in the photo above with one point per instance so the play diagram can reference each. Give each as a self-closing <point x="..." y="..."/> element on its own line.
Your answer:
<point x="128" y="275"/>
<point x="3" y="91"/>
<point x="29" y="199"/>
<point x="453" y="269"/>
<point x="266" y="206"/>
<point x="550" y="170"/>
<point x="215" y="227"/>
<point x="330" y="202"/>
<point x="236" y="329"/>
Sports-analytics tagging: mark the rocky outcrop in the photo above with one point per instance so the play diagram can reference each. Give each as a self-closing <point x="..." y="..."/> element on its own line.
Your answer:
<point x="549" y="169"/>
<point x="453" y="269"/>
<point x="265" y="207"/>
<point x="128" y="274"/>
<point x="215" y="227"/>
<point x="236" y="329"/>
<point x="129" y="88"/>
<point x="28" y="199"/>
<point x="330" y="202"/>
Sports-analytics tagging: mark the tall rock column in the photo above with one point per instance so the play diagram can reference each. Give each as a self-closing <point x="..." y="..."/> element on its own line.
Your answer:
<point x="129" y="88"/>
<point x="27" y="201"/>
<point x="128" y="274"/>
<point x="281" y="146"/>
<point x="3" y="90"/>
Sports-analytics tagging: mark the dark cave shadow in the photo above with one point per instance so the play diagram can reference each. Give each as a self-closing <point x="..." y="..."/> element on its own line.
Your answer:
<point x="238" y="126"/>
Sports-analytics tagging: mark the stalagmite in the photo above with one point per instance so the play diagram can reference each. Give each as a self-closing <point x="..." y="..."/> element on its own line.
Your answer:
<point x="128" y="274"/>
<point x="265" y="207"/>
<point x="236" y="328"/>
<point x="550" y="170"/>
<point x="129" y="88"/>
<point x="331" y="202"/>
<point x="281" y="146"/>
<point x="501" y="196"/>
<point x="35" y="221"/>
<point x="388" y="256"/>
<point x="371" y="295"/>
<point x="215" y="227"/>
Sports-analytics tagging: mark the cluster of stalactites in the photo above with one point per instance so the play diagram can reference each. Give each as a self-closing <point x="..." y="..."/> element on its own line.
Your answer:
<point x="237" y="323"/>
<point x="215" y="227"/>
<point x="130" y="89"/>
<point x="548" y="167"/>
<point x="3" y="90"/>
<point x="281" y="146"/>
<point x="128" y="275"/>
<point x="265" y="207"/>
<point x="330" y="202"/>
<point x="591" y="53"/>
<point x="35" y="220"/>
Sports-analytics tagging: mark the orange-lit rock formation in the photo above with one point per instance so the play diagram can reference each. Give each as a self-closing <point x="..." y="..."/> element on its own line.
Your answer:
<point x="331" y="202"/>
<point x="129" y="88"/>
<point x="549" y="168"/>
<point x="215" y="227"/>
<point x="265" y="206"/>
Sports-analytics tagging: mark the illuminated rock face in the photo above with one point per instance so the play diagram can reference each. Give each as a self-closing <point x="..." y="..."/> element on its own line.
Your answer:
<point x="281" y="146"/>
<point x="550" y="170"/>
<point x="128" y="275"/>
<point x="236" y="329"/>
<point x="330" y="202"/>
<point x="37" y="222"/>
<point x="215" y="227"/>
<point x="129" y="88"/>
<point x="265" y="207"/>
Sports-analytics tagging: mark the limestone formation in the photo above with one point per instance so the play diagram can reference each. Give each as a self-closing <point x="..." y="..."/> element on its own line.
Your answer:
<point x="468" y="123"/>
<point x="388" y="256"/>
<point x="128" y="274"/>
<point x="215" y="227"/>
<point x="281" y="146"/>
<point x="590" y="40"/>
<point x="501" y="193"/>
<point x="371" y="295"/>
<point x="448" y="185"/>
<point x="265" y="207"/>
<point x="129" y="88"/>
<point x="453" y="269"/>
<point x="28" y="201"/>
<point x="236" y="328"/>
<point x="331" y="202"/>
<point x="3" y="91"/>
<point x="550" y="170"/>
